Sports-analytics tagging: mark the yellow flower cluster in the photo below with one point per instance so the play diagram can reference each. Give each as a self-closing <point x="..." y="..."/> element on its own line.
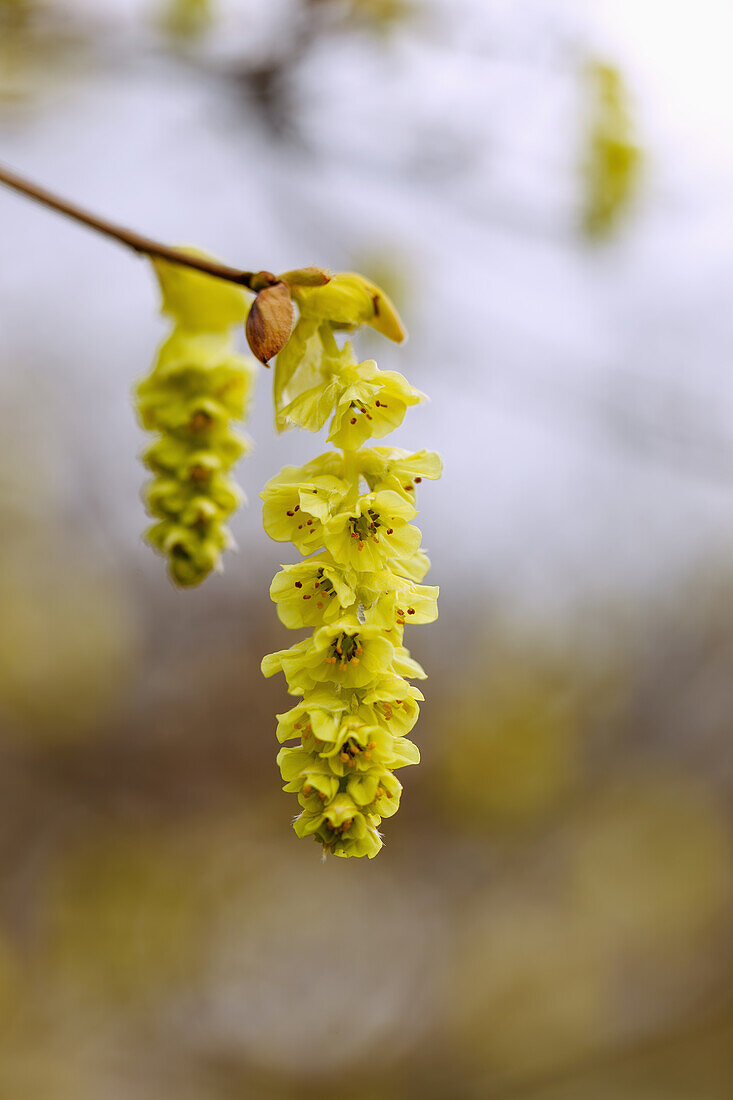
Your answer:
<point x="197" y="386"/>
<point x="350" y="512"/>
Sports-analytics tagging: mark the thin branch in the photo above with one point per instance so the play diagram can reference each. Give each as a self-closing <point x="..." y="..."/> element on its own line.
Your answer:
<point x="252" y="280"/>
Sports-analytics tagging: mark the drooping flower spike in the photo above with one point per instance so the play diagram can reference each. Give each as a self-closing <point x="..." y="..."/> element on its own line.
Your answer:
<point x="199" y="384"/>
<point x="351" y="512"/>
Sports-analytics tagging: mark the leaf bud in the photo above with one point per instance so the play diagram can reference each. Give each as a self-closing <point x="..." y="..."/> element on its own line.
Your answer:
<point x="270" y="322"/>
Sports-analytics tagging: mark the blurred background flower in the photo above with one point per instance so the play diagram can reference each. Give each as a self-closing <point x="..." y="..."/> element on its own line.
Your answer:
<point x="544" y="190"/>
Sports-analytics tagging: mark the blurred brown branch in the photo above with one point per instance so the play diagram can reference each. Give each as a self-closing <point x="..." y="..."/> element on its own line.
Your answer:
<point x="252" y="280"/>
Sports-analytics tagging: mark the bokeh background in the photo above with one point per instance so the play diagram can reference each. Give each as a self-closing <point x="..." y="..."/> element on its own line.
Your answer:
<point x="545" y="188"/>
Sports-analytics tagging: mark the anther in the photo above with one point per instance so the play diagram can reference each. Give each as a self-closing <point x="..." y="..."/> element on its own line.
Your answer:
<point x="199" y="421"/>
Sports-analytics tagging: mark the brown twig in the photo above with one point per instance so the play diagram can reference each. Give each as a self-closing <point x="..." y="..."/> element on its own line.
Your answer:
<point x="252" y="280"/>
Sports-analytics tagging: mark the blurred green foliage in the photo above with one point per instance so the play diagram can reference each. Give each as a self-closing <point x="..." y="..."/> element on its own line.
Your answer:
<point x="612" y="160"/>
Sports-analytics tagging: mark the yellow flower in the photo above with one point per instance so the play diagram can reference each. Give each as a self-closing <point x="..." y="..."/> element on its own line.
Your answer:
<point x="312" y="592"/>
<point x="312" y="408"/>
<point x="372" y="404"/>
<point x="300" y="499"/>
<point x="375" y="532"/>
<point x="378" y="792"/>
<point x="342" y="828"/>
<point x="344" y="653"/>
<point x="309" y="777"/>
<point x="391" y="601"/>
<point x="317" y="719"/>
<point x="359" y="747"/>
<point x="396" y="469"/>
<point x="391" y="702"/>
<point x="350" y="299"/>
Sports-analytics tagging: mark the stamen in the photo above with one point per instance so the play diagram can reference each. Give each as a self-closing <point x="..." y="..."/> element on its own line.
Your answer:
<point x="199" y="474"/>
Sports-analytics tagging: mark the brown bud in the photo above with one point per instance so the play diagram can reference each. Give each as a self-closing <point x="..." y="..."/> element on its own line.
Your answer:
<point x="260" y="279"/>
<point x="270" y="322"/>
